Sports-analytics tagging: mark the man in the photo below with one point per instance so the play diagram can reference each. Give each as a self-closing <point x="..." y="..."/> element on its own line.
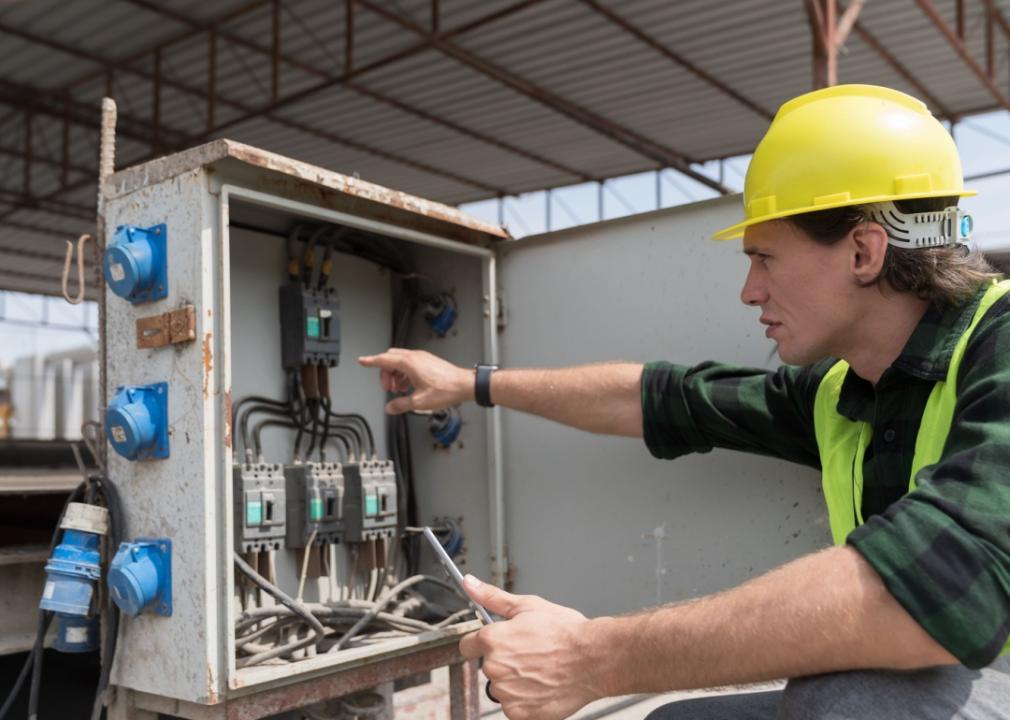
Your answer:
<point x="897" y="387"/>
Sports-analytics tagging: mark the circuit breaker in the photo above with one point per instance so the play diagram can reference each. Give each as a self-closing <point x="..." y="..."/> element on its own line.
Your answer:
<point x="260" y="506"/>
<point x="310" y="326"/>
<point x="370" y="504"/>
<point x="315" y="503"/>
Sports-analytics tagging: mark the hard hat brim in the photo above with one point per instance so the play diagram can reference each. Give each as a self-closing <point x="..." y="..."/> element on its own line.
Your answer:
<point x="734" y="232"/>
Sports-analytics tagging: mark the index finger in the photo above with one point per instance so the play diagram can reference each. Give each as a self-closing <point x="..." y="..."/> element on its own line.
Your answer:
<point x="470" y="647"/>
<point x="387" y="360"/>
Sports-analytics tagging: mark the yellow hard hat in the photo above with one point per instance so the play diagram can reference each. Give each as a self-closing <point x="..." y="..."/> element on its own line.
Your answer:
<point x="847" y="145"/>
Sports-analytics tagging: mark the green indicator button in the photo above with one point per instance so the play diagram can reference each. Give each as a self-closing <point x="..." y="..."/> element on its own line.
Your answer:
<point x="254" y="513"/>
<point x="316" y="508"/>
<point x="312" y="326"/>
<point x="371" y="505"/>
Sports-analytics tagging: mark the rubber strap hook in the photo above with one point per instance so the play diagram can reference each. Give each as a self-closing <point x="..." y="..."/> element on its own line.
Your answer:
<point x="75" y="300"/>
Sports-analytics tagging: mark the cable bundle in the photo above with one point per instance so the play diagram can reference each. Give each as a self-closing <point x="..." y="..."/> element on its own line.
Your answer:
<point x="265" y="633"/>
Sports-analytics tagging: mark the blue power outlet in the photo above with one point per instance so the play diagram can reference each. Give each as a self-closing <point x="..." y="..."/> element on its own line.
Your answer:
<point x="136" y="422"/>
<point x="136" y="263"/>
<point x="140" y="576"/>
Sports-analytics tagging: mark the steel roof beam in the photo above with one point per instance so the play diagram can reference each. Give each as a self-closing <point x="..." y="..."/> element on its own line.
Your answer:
<point x="31" y="254"/>
<point x="39" y="229"/>
<point x="58" y="106"/>
<point x="59" y="207"/>
<point x="677" y="59"/>
<point x="961" y="49"/>
<point x="663" y="155"/>
<point x="898" y="67"/>
<point x="132" y="58"/>
<point x="375" y="65"/>
<point x="382" y="62"/>
<point x="155" y="138"/>
<point x="278" y="57"/>
<point x="43" y="160"/>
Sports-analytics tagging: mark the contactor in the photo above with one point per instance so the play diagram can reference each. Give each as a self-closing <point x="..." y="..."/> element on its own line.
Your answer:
<point x="310" y="326"/>
<point x="370" y="504"/>
<point x="260" y="507"/>
<point x="315" y="503"/>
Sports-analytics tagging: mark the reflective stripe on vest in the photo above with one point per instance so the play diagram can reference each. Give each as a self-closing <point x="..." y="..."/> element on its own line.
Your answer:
<point x="842" y="442"/>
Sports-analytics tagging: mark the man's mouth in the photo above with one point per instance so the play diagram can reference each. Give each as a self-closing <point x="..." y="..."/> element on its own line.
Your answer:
<point x="772" y="325"/>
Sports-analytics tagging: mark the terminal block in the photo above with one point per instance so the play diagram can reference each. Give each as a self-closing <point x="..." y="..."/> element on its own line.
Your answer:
<point x="370" y="509"/>
<point x="310" y="326"/>
<point x="259" y="499"/>
<point x="315" y="503"/>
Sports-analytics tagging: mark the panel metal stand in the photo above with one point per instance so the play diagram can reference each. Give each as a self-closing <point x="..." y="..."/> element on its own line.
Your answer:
<point x="464" y="691"/>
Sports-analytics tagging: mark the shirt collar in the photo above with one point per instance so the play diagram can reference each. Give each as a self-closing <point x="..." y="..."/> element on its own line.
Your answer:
<point x="926" y="355"/>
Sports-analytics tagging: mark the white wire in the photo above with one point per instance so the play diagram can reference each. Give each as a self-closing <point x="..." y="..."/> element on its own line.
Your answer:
<point x="305" y="566"/>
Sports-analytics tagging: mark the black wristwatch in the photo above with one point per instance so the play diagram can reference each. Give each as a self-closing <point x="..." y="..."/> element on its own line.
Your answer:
<point x="482" y="384"/>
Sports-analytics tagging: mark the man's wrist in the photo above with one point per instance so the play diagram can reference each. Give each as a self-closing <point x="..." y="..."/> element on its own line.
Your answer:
<point x="598" y="648"/>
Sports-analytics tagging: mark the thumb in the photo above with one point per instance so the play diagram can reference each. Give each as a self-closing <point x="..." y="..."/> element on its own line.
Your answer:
<point x="493" y="598"/>
<point x="400" y="405"/>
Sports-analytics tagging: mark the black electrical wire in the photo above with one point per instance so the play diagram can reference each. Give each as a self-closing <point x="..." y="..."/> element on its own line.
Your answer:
<point x="351" y="428"/>
<point x="41" y="628"/>
<point x="324" y="421"/>
<point x="309" y="256"/>
<point x="36" y="682"/>
<point x="117" y="529"/>
<point x="277" y="409"/>
<point x="33" y="663"/>
<point x="292" y="248"/>
<point x="356" y="424"/>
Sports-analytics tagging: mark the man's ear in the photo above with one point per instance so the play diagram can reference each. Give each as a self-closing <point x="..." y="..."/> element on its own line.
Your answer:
<point x="869" y="246"/>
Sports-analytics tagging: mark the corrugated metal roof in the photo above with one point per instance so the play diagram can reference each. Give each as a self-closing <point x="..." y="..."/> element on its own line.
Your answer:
<point x="530" y="94"/>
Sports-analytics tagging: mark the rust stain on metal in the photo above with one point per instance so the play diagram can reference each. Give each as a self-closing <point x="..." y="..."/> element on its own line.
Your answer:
<point x="171" y="166"/>
<point x="212" y="698"/>
<point x="227" y="418"/>
<point x="208" y="361"/>
<point x="279" y="699"/>
<point x="170" y="328"/>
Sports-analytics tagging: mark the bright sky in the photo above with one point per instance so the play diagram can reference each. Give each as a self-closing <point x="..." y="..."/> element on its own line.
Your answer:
<point x="983" y="140"/>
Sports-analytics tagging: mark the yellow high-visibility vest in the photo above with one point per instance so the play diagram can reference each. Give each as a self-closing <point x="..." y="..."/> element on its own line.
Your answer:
<point x="842" y="442"/>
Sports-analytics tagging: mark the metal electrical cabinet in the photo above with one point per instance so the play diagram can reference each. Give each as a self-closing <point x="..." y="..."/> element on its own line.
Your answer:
<point x="587" y="521"/>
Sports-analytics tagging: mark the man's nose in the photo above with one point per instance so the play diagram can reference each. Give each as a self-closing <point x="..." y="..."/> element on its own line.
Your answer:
<point x="753" y="292"/>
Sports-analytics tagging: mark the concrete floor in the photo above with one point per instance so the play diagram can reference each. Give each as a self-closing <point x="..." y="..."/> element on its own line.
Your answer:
<point x="430" y="701"/>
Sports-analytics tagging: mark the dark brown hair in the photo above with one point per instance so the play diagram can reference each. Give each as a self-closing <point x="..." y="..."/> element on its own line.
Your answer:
<point x="944" y="276"/>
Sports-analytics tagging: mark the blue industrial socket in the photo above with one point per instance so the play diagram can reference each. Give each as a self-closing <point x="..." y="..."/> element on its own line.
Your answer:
<point x="440" y="314"/>
<point x="76" y="634"/>
<point x="140" y="576"/>
<point x="445" y="426"/>
<point x="136" y="422"/>
<point x="136" y="263"/>
<point x="71" y="574"/>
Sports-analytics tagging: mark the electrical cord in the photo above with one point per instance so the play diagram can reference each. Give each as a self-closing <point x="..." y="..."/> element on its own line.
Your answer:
<point x="305" y="564"/>
<point x="383" y="601"/>
<point x="280" y="595"/>
<point x="117" y="529"/>
<point x="100" y="486"/>
<point x="41" y="628"/>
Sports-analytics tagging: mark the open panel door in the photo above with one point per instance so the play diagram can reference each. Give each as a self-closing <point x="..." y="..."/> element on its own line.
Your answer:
<point x="596" y="522"/>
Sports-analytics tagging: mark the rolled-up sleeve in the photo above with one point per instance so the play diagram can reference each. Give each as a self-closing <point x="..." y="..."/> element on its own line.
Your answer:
<point x="688" y="409"/>
<point x="943" y="550"/>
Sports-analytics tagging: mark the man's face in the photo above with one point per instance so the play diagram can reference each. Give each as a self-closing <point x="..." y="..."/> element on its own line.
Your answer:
<point x="804" y="289"/>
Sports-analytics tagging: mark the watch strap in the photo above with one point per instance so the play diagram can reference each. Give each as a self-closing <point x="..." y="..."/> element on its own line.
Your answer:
<point x="482" y="385"/>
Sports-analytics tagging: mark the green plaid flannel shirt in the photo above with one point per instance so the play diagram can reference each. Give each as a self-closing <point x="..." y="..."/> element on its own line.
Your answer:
<point x="943" y="551"/>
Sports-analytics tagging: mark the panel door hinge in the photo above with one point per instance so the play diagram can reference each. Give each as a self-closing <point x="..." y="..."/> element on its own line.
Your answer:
<point x="170" y="328"/>
<point x="501" y="318"/>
